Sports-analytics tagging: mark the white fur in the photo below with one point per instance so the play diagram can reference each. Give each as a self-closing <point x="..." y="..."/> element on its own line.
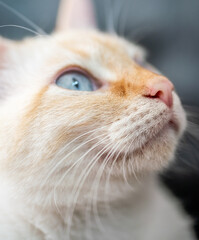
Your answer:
<point x="38" y="200"/>
<point x="147" y="214"/>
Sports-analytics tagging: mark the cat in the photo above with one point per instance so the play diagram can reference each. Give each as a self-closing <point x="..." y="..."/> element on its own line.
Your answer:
<point x="86" y="126"/>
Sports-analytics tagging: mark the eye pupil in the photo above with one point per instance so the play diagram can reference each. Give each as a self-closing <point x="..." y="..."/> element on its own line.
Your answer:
<point x="74" y="80"/>
<point x="75" y="83"/>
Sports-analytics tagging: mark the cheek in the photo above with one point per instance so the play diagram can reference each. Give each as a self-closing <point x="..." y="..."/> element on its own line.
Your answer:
<point x="139" y="122"/>
<point x="143" y="136"/>
<point x="90" y="126"/>
<point x="76" y="126"/>
<point x="58" y="121"/>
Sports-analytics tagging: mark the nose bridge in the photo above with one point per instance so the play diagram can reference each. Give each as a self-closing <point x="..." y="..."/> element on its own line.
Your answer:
<point x="155" y="86"/>
<point x="132" y="81"/>
<point x="138" y="80"/>
<point x="141" y="81"/>
<point x="141" y="77"/>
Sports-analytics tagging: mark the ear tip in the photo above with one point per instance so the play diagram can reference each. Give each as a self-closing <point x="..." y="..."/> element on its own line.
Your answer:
<point x="76" y="14"/>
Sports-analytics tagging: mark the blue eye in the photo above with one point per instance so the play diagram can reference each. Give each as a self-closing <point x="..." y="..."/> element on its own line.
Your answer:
<point x="75" y="81"/>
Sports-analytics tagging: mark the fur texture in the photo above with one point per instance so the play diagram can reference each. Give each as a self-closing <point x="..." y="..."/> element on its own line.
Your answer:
<point x="83" y="165"/>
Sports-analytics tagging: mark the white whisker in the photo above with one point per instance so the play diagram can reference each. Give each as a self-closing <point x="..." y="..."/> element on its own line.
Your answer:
<point x="68" y="154"/>
<point x="98" y="178"/>
<point x="83" y="177"/>
<point x="21" y="27"/>
<point x="96" y="187"/>
<point x="39" y="31"/>
<point x="79" y="160"/>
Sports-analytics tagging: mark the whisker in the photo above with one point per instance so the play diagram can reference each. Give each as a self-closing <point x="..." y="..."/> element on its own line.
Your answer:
<point x="107" y="185"/>
<point x="105" y="162"/>
<point x="97" y="181"/>
<point x="83" y="178"/>
<point x="98" y="178"/>
<point x="138" y="33"/>
<point x="120" y="23"/>
<point x="21" y="27"/>
<point x="78" y="147"/>
<point x="123" y="167"/>
<point x="132" y="168"/>
<point x="69" y="169"/>
<point x="25" y="19"/>
<point x="110" y="18"/>
<point x="82" y="157"/>
<point x="89" y="207"/>
<point x="77" y="163"/>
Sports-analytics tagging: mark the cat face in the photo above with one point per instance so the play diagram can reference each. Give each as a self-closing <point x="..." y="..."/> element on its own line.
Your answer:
<point x="57" y="141"/>
<point x="55" y="134"/>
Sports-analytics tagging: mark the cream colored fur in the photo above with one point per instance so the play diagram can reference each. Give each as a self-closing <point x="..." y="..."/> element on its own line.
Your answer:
<point x="84" y="165"/>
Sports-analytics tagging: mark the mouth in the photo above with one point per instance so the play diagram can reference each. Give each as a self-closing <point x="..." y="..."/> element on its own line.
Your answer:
<point x="171" y="126"/>
<point x="174" y="125"/>
<point x="117" y="155"/>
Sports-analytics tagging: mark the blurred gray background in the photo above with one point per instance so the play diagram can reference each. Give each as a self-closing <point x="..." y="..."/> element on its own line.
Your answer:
<point x="168" y="29"/>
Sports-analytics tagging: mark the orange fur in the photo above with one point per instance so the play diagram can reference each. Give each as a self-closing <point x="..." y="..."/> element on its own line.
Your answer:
<point x="65" y="154"/>
<point x="50" y="129"/>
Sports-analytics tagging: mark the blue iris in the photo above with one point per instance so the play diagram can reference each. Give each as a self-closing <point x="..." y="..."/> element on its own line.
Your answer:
<point x="74" y="81"/>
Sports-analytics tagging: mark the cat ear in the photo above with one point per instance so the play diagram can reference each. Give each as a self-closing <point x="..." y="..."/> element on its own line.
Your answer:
<point x="76" y="14"/>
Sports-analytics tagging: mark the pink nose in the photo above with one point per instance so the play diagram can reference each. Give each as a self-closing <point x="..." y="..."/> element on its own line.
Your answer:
<point x="161" y="88"/>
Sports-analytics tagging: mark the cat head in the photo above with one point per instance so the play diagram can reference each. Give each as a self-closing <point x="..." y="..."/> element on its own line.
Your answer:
<point x="77" y="110"/>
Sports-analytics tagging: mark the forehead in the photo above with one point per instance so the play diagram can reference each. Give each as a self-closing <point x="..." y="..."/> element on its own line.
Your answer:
<point x="95" y="42"/>
<point x="105" y="57"/>
<point x="97" y="52"/>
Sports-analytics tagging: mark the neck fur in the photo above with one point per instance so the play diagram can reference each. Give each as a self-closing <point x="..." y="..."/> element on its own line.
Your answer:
<point x="44" y="217"/>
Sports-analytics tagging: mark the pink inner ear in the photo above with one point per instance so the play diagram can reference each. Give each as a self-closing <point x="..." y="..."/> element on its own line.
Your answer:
<point x="76" y="14"/>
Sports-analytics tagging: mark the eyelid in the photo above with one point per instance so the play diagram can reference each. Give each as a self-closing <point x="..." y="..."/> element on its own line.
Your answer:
<point x="97" y="84"/>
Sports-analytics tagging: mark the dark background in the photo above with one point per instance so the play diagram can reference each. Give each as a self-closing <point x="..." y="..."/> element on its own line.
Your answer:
<point x="170" y="32"/>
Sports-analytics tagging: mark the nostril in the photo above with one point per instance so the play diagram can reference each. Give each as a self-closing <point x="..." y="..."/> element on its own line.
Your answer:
<point x="159" y="95"/>
<point x="161" y="89"/>
<point x="165" y="97"/>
